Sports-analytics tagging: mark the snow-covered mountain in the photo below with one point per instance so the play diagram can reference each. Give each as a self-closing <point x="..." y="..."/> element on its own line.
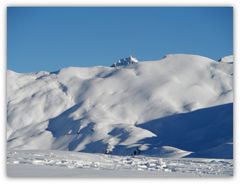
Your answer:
<point x="179" y="106"/>
<point x="227" y="59"/>
<point x="125" y="61"/>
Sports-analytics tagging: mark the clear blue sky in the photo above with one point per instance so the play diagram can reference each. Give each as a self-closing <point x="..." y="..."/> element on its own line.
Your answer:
<point x="52" y="38"/>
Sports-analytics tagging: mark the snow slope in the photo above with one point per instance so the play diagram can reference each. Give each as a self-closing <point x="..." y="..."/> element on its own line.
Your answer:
<point x="178" y="106"/>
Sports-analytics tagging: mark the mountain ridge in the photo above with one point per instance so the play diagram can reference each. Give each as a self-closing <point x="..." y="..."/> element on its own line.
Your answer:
<point x="228" y="57"/>
<point x="103" y="109"/>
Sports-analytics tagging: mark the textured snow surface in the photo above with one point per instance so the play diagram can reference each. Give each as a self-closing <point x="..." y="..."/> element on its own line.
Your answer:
<point x="57" y="163"/>
<point x="179" y="106"/>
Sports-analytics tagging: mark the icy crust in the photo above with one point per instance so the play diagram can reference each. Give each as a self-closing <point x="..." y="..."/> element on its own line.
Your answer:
<point x="63" y="164"/>
<point x="118" y="110"/>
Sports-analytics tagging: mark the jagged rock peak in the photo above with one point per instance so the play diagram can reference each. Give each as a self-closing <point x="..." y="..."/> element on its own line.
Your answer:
<point x="125" y="61"/>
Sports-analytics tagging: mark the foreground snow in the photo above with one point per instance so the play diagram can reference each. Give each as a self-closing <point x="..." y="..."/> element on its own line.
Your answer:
<point x="64" y="163"/>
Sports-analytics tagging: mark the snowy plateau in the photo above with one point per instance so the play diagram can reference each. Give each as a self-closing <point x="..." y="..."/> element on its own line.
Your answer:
<point x="169" y="117"/>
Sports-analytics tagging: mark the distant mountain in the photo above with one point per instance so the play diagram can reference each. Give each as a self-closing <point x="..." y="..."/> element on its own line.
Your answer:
<point x="125" y="61"/>
<point x="178" y="106"/>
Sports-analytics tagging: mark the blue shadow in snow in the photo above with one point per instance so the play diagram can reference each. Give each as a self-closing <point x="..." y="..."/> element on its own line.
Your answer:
<point x="197" y="131"/>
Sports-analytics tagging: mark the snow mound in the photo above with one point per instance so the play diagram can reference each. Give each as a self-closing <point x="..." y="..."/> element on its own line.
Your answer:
<point x="182" y="101"/>
<point x="227" y="59"/>
<point x="125" y="61"/>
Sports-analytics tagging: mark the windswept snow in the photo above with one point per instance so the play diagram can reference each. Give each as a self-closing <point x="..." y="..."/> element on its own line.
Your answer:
<point x="179" y="106"/>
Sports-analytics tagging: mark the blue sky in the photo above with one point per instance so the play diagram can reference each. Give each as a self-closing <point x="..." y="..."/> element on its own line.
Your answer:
<point x="53" y="38"/>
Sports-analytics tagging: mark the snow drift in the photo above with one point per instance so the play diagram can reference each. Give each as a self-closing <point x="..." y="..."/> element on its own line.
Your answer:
<point x="178" y="106"/>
